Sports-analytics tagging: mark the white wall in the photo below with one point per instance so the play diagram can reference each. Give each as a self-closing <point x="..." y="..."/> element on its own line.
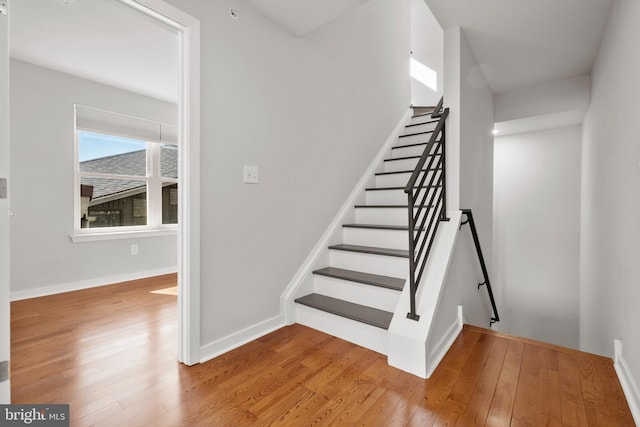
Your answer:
<point x="558" y="104"/>
<point x="470" y="171"/>
<point x="542" y="99"/>
<point x="427" y="47"/>
<point x="536" y="233"/>
<point x="41" y="155"/>
<point x="5" y="321"/>
<point x="609" y="267"/>
<point x="311" y="112"/>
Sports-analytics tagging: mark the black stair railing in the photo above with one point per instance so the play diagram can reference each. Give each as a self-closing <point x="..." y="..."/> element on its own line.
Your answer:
<point x="427" y="205"/>
<point x="469" y="220"/>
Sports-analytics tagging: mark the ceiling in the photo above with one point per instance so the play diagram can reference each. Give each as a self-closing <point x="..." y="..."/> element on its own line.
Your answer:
<point x="517" y="43"/>
<point x="523" y="43"/>
<point x="300" y="17"/>
<point x="101" y="40"/>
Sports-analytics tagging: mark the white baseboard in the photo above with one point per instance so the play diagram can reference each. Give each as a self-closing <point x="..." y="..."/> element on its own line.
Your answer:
<point x="286" y="299"/>
<point x="445" y="343"/>
<point x="228" y="343"/>
<point x="89" y="283"/>
<point x="629" y="384"/>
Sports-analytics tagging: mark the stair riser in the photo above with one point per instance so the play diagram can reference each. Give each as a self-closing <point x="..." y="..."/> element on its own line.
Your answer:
<point x="421" y="119"/>
<point x="420" y="128"/>
<point x="406" y="164"/>
<point x="397" y="180"/>
<point x="386" y="216"/>
<point x="414" y="150"/>
<point x="357" y="293"/>
<point x="358" y="333"/>
<point x="414" y="139"/>
<point x="400" y="165"/>
<point x="389" y="197"/>
<point x="394" y="239"/>
<point x="374" y="264"/>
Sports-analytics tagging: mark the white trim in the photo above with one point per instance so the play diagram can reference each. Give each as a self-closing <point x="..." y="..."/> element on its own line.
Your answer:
<point x="445" y="343"/>
<point x="628" y="383"/>
<point x="89" y="283"/>
<point x="286" y="299"/>
<point x="189" y="204"/>
<point x="151" y="183"/>
<point x="164" y="12"/>
<point x="5" y="227"/>
<point x="239" y="338"/>
<point x="188" y="170"/>
<point x="117" y="235"/>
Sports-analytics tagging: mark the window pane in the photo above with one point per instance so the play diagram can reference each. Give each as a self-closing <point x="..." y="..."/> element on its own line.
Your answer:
<point x="100" y="153"/>
<point x="169" y="203"/>
<point x="112" y="202"/>
<point x="169" y="161"/>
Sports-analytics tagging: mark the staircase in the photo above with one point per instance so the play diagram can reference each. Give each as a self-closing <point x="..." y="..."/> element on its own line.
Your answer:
<point x="356" y="294"/>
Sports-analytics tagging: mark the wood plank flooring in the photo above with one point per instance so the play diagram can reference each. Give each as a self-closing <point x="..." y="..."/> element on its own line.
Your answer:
<point x="110" y="353"/>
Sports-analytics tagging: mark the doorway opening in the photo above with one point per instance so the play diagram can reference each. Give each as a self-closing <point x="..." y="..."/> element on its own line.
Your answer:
<point x="185" y="33"/>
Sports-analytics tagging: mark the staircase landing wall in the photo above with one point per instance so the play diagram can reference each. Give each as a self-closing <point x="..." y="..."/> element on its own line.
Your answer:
<point x="470" y="157"/>
<point x="418" y="346"/>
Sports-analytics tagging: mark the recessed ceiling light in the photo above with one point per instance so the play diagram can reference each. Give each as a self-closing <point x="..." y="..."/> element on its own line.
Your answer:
<point x="495" y="131"/>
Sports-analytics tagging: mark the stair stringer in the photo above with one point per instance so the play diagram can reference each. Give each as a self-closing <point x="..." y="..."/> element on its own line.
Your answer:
<point x="302" y="282"/>
<point x="418" y="347"/>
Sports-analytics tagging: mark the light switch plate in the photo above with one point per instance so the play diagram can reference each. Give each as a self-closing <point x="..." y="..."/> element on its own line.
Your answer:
<point x="3" y="188"/>
<point x="251" y="174"/>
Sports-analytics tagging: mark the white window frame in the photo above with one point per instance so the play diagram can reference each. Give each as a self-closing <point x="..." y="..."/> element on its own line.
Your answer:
<point x="153" y="181"/>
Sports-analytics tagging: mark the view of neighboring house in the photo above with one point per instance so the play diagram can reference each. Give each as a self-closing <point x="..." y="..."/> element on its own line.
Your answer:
<point x="123" y="202"/>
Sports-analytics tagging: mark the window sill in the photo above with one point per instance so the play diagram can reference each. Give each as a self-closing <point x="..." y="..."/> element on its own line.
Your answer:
<point x="116" y="235"/>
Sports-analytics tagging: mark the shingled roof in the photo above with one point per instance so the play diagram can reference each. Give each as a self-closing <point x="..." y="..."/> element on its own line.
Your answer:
<point x="131" y="164"/>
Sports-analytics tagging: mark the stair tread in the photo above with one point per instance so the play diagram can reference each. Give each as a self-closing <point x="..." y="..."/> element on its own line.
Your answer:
<point x="371" y="250"/>
<point x="382" y="206"/>
<point x="385" y="206"/>
<point x="362" y="277"/>
<point x="407" y="158"/>
<point x="414" y="134"/>
<point x="396" y="147"/>
<point x="378" y="226"/>
<point x="397" y="188"/>
<point x="406" y="171"/>
<point x="423" y="123"/>
<point x="360" y="313"/>
<point x="402" y="158"/>
<point x="422" y="115"/>
<point x="408" y="145"/>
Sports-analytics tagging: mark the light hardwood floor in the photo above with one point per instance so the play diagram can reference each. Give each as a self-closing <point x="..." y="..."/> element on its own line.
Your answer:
<point x="110" y="353"/>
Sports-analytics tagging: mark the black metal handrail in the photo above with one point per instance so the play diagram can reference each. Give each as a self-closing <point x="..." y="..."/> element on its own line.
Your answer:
<point x="434" y="210"/>
<point x="476" y="240"/>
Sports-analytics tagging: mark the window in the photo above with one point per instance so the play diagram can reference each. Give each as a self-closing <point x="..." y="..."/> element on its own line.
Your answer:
<point x="126" y="174"/>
